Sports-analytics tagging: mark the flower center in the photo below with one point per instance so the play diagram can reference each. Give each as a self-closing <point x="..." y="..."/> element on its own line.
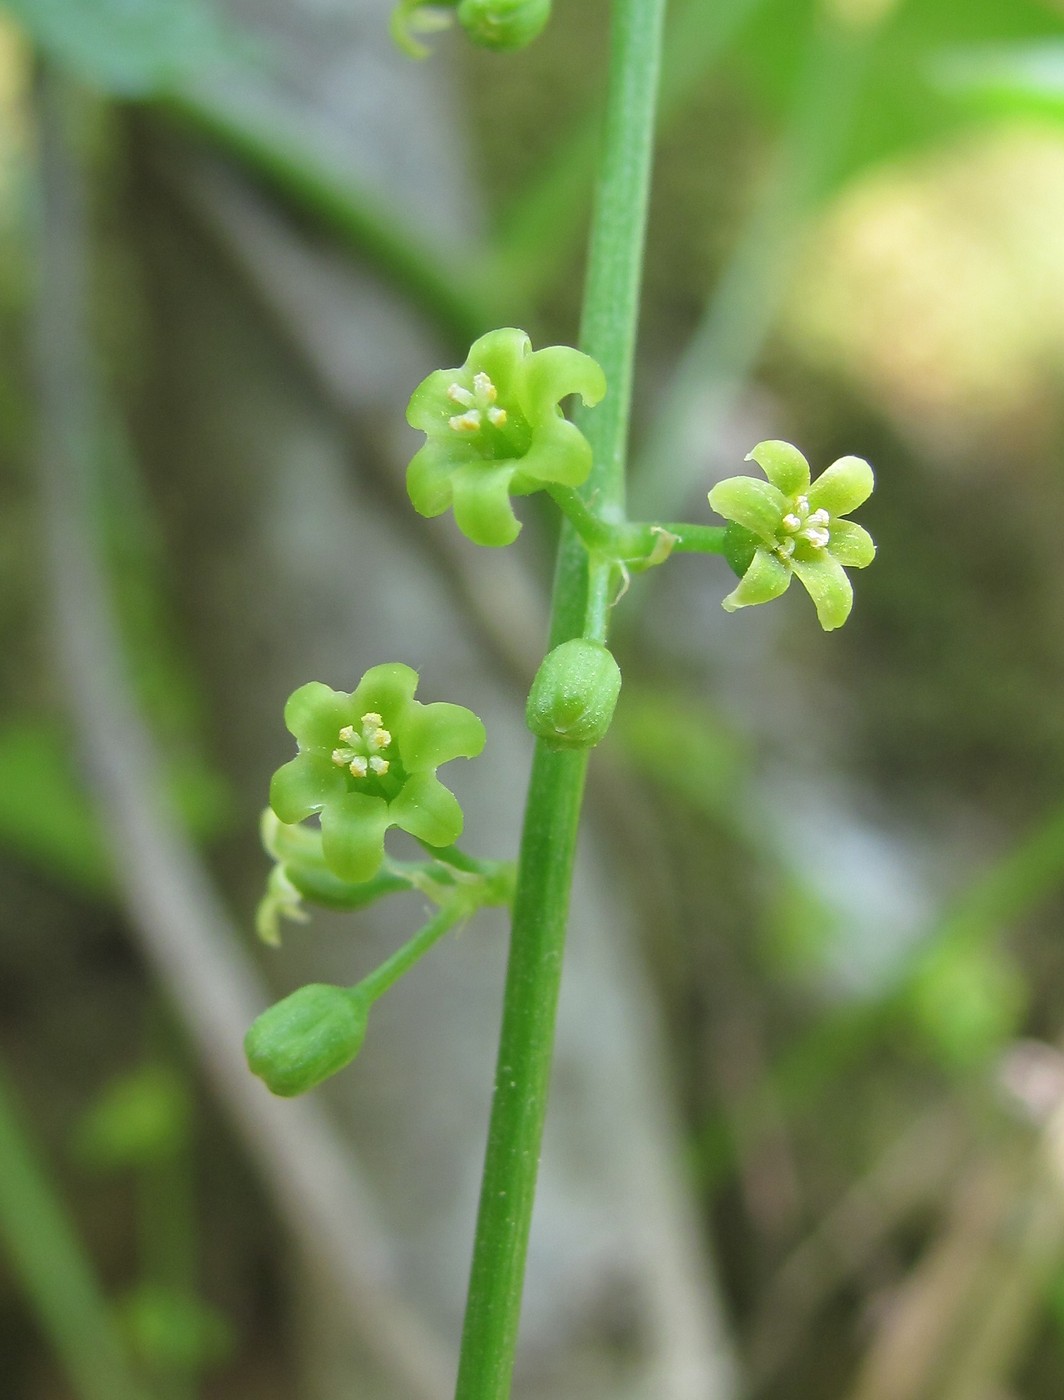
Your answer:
<point x="361" y="753"/>
<point x="477" y="404"/>
<point x="802" y="523"/>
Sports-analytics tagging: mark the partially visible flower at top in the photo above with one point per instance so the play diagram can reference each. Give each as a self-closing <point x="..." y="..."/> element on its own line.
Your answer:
<point x="494" y="429"/>
<point x="367" y="761"/>
<point x="503" y="25"/>
<point x="785" y="526"/>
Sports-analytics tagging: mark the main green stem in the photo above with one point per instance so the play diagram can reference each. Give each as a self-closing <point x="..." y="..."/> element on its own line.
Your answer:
<point x="552" y="814"/>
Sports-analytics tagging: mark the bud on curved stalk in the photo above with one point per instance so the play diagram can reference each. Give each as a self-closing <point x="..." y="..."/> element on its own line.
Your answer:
<point x="503" y="25"/>
<point x="574" y="694"/>
<point x="307" y="1037"/>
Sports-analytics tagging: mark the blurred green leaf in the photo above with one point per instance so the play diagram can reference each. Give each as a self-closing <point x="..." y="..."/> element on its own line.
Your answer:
<point x="171" y="1331"/>
<point x="140" y="1118"/>
<point x="902" y="107"/>
<point x="966" y="1002"/>
<point x="685" y="748"/>
<point x="130" y="48"/>
<point x="45" y="815"/>
<point x="1012" y="80"/>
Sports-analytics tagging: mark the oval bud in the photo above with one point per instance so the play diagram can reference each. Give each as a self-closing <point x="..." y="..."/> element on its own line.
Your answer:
<point x="503" y="24"/>
<point x="305" y="1038"/>
<point x="574" y="694"/>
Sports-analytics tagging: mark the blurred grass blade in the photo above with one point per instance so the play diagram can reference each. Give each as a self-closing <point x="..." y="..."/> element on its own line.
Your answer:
<point x="742" y="310"/>
<point x="538" y="231"/>
<point x="52" y="1267"/>
<point x="46" y="817"/>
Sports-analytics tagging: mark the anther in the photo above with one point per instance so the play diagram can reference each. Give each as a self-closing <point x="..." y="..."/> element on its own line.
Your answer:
<point x="484" y="388"/>
<point x="378" y="765"/>
<point x="358" y="766"/>
<point x="791" y="522"/>
<point x="457" y="394"/>
<point x="465" y="422"/>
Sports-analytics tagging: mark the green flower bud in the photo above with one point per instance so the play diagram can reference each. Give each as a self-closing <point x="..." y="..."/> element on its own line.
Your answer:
<point x="574" y="694"/>
<point x="305" y="1038"/>
<point x="503" y="24"/>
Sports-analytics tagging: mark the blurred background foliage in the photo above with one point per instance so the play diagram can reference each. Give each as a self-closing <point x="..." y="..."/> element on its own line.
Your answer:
<point x="849" y="851"/>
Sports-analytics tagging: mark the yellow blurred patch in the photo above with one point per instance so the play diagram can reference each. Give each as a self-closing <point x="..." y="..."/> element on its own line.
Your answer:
<point x="938" y="288"/>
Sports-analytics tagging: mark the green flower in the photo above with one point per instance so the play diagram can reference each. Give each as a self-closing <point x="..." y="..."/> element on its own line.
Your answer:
<point x="786" y="526"/>
<point x="494" y="429"/>
<point x="367" y="761"/>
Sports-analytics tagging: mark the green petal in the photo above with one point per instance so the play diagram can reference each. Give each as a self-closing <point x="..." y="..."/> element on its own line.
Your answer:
<point x="305" y="785"/>
<point x="434" y="734"/>
<point x="430" y="410"/>
<point x="428" y="477"/>
<point x="756" y="505"/>
<point x="827" y="585"/>
<point x="499" y="355"/>
<point x="783" y="464"/>
<point x="844" y="486"/>
<point x="387" y="689"/>
<point x="559" y="453"/>
<point x="850" y="544"/>
<point x="482" y="507"/>
<point x="352" y="836"/>
<point x="765" y="579"/>
<point x="551" y="374"/>
<point x="315" y="714"/>
<point x="427" y="810"/>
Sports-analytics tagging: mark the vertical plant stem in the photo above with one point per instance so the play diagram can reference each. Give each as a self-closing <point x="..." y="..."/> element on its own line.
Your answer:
<point x="55" y="1272"/>
<point x="552" y="813"/>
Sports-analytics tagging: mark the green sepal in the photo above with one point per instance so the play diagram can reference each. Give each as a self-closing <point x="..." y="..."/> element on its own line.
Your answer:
<point x="740" y="546"/>
<point x="302" y="1040"/>
<point x="413" y="17"/>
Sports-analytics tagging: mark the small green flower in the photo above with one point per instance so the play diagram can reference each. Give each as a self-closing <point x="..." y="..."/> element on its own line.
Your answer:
<point x="494" y="429"/>
<point x="786" y="526"/>
<point x="367" y="761"/>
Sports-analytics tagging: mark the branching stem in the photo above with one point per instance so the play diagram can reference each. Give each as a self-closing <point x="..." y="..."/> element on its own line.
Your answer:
<point x="582" y="598"/>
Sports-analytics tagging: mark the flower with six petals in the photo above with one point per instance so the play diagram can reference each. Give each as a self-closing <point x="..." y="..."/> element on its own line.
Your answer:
<point x="494" y="429"/>
<point x="367" y="761"/>
<point x="788" y="526"/>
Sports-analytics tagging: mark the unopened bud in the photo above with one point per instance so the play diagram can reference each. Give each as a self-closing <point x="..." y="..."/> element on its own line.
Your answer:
<point x="503" y="24"/>
<point x="305" y="1038"/>
<point x="574" y="694"/>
